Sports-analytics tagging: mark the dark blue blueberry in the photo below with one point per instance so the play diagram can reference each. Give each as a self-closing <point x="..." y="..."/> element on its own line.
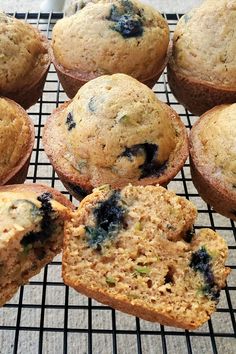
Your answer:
<point x="70" y="121"/>
<point x="92" y="104"/>
<point x="46" y="224"/>
<point x="189" y="235"/>
<point x="129" y="26"/>
<point x="150" y="167"/>
<point x="128" y="19"/>
<point x="109" y="216"/>
<point x="200" y="260"/>
<point x="81" y="192"/>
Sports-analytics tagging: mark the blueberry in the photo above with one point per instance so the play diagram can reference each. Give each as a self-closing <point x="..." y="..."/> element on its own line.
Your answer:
<point x="70" y="121"/>
<point x="150" y="167"/>
<point x="109" y="216"/>
<point x="200" y="260"/>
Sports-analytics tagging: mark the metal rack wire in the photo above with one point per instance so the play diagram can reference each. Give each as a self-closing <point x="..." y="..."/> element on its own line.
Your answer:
<point x="48" y="317"/>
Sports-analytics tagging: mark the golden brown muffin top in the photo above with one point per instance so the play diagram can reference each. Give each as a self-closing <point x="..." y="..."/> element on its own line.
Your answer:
<point x="204" y="45"/>
<point x="23" y="54"/>
<point x="116" y="124"/>
<point x="112" y="36"/>
<point x="15" y="135"/>
<point x="215" y="137"/>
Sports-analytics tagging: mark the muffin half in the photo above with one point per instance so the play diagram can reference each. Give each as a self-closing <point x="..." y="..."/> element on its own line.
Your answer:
<point x="202" y="66"/>
<point x="24" y="61"/>
<point x="31" y="232"/>
<point x="213" y="158"/>
<point x="115" y="131"/>
<point x="135" y="251"/>
<point x="16" y="142"/>
<point x="107" y="37"/>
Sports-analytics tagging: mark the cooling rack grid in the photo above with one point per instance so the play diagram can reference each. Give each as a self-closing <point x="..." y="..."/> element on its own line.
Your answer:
<point x="47" y="317"/>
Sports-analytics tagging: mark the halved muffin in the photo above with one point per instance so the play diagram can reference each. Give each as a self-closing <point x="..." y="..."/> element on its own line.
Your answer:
<point x="24" y="61"/>
<point x="213" y="158"/>
<point x="16" y="142"/>
<point x="107" y="37"/>
<point x="115" y="131"/>
<point x="31" y="233"/>
<point x="135" y="250"/>
<point x="202" y="66"/>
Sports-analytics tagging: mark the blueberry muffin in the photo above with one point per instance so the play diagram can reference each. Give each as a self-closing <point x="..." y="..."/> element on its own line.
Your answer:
<point x="31" y="232"/>
<point x="213" y="158"/>
<point x="24" y="61"/>
<point x="135" y="250"/>
<point x="16" y="142"/>
<point x="107" y="37"/>
<point x="115" y="131"/>
<point x="202" y="67"/>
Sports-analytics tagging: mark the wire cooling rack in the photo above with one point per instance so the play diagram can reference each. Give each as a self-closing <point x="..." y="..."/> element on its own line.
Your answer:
<point x="48" y="317"/>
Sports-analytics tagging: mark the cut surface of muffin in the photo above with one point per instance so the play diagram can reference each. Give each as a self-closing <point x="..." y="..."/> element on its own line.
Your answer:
<point x="202" y="67"/>
<point x="107" y="37"/>
<point x="135" y="250"/>
<point x="31" y="232"/>
<point x="213" y="158"/>
<point x="24" y="60"/>
<point x="115" y="131"/>
<point x="16" y="142"/>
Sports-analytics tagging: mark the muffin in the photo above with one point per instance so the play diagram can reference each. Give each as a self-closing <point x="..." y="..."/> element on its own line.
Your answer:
<point x="114" y="131"/>
<point x="24" y="61"/>
<point x="213" y="158"/>
<point x="16" y="142"/>
<point x="107" y="37"/>
<point x="135" y="251"/>
<point x="202" y="67"/>
<point x="31" y="232"/>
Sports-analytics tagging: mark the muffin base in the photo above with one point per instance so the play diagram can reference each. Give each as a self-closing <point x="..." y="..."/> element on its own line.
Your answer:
<point x="198" y="96"/>
<point x="76" y="182"/>
<point x="19" y="172"/>
<point x="72" y="80"/>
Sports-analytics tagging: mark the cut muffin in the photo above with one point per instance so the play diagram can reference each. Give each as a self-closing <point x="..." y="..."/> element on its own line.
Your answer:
<point x="31" y="232"/>
<point x="107" y="37"/>
<point x="213" y="158"/>
<point x="202" y="66"/>
<point x="114" y="131"/>
<point x="16" y="142"/>
<point x="135" y="250"/>
<point x="24" y="61"/>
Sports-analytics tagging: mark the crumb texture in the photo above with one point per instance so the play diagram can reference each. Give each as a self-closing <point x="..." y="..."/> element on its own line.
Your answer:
<point x="23" y="54"/>
<point x="205" y="43"/>
<point x="151" y="263"/>
<point x="15" y="136"/>
<point x="112" y="36"/>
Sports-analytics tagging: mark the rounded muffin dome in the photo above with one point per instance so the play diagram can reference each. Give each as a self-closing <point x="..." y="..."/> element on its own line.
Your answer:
<point x="107" y="37"/>
<point x="216" y="140"/>
<point x="204" y="43"/>
<point x="23" y="54"/>
<point x="16" y="138"/>
<point x="131" y="136"/>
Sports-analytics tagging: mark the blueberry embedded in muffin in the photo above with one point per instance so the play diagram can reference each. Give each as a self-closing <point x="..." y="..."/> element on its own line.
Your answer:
<point x="115" y="131"/>
<point x="31" y="231"/>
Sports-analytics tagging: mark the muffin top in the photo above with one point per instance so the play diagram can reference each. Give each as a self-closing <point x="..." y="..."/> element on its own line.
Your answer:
<point x="15" y="136"/>
<point x="130" y="136"/>
<point x="110" y="36"/>
<point x="23" y="54"/>
<point x="215" y="137"/>
<point x="204" y="45"/>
